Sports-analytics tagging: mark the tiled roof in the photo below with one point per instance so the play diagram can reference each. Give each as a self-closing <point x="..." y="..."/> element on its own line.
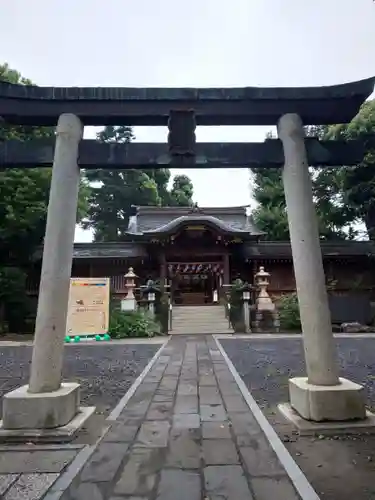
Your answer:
<point x="231" y="219"/>
<point x="264" y="249"/>
<point x="100" y="250"/>
<point x="116" y="250"/>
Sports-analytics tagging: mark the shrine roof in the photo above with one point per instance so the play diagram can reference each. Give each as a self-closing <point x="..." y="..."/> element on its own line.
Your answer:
<point x="250" y="250"/>
<point x="282" y="249"/>
<point x="158" y="220"/>
<point x="41" y="106"/>
<point x="97" y="250"/>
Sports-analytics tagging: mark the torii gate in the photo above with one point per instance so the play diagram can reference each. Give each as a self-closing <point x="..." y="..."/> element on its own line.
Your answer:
<point x="46" y="403"/>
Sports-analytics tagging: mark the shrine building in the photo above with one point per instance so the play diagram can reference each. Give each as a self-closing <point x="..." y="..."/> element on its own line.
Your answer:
<point x="198" y="250"/>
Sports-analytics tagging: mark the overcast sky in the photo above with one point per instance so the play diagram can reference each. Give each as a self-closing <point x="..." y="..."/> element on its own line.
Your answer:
<point x="197" y="43"/>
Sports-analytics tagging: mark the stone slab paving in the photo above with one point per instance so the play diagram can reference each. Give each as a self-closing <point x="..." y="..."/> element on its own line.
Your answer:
<point x="185" y="434"/>
<point x="28" y="472"/>
<point x="106" y="371"/>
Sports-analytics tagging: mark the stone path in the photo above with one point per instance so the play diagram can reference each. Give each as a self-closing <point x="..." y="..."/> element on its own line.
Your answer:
<point x="186" y="434"/>
<point x="28" y="472"/>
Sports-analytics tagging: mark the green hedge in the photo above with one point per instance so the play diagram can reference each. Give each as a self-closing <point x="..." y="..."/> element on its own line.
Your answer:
<point x="15" y="306"/>
<point x="289" y="312"/>
<point x="123" y="324"/>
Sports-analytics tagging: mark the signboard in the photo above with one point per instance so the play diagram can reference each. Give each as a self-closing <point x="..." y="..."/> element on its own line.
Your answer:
<point x="88" y="309"/>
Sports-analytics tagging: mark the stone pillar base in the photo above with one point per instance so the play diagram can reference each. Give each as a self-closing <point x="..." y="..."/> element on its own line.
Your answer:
<point x="47" y="410"/>
<point x="342" y="402"/>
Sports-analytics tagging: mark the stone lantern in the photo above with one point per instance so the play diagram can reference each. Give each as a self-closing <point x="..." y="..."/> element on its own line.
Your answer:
<point x="245" y="289"/>
<point x="264" y="305"/>
<point x="151" y="292"/>
<point x="264" y="301"/>
<point x="128" y="303"/>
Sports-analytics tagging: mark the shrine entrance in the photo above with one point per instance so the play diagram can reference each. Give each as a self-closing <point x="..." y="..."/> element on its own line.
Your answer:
<point x="290" y="109"/>
<point x="195" y="283"/>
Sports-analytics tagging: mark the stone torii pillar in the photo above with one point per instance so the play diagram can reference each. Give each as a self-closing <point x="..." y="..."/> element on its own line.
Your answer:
<point x="46" y="403"/>
<point x="322" y="395"/>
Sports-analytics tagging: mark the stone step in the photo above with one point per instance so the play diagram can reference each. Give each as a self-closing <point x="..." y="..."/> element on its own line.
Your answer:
<point x="199" y="320"/>
<point x="217" y="319"/>
<point x="196" y="321"/>
<point x="200" y="325"/>
<point x="200" y="332"/>
<point x="209" y="310"/>
<point x="198" y="329"/>
<point x="198" y="310"/>
<point x="192" y="316"/>
<point x="200" y="316"/>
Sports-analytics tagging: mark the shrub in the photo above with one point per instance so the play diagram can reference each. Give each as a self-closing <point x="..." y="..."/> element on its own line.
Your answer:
<point x="123" y="324"/>
<point x="289" y="312"/>
<point x="15" y="306"/>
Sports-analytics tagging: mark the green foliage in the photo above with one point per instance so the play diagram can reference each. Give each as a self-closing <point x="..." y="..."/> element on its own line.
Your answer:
<point x="270" y="215"/>
<point x="123" y="324"/>
<point x="24" y="193"/>
<point x="336" y="218"/>
<point x="24" y="197"/>
<point x="358" y="182"/>
<point x="114" y="192"/>
<point x="14" y="304"/>
<point x="289" y="312"/>
<point x="182" y="191"/>
<point x="23" y="133"/>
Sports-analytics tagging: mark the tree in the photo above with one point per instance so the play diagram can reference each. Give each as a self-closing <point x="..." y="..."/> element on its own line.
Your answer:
<point x="114" y="192"/>
<point x="358" y="182"/>
<point x="24" y="193"/>
<point x="24" y="197"/>
<point x="182" y="191"/>
<point x="335" y="217"/>
<point x="270" y="215"/>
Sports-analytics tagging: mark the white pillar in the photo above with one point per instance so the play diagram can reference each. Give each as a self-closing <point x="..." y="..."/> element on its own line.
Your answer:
<point x="47" y="359"/>
<point x="322" y="396"/>
<point x="307" y="258"/>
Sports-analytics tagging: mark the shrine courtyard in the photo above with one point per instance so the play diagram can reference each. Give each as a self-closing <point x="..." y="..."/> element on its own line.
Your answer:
<point x="162" y="438"/>
<point x="193" y="424"/>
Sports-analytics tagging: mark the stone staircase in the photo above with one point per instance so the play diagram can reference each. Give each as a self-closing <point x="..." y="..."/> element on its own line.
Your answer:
<point x="190" y="320"/>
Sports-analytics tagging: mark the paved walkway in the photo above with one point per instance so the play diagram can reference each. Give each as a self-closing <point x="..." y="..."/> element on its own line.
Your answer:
<point x="187" y="434"/>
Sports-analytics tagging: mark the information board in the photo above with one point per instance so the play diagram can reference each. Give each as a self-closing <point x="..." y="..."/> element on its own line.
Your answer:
<point x="88" y="309"/>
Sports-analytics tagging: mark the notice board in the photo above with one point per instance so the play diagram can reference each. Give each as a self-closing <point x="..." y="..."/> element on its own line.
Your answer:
<point x="88" y="309"/>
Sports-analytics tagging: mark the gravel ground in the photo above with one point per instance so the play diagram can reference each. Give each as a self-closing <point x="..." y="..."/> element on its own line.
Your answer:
<point x="104" y="371"/>
<point x="265" y="366"/>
